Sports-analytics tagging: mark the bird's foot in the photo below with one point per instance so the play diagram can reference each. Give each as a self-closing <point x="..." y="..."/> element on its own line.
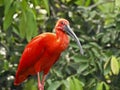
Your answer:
<point x="41" y="87"/>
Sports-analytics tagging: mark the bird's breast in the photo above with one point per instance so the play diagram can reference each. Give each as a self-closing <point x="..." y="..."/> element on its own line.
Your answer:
<point x="59" y="46"/>
<point x="63" y="42"/>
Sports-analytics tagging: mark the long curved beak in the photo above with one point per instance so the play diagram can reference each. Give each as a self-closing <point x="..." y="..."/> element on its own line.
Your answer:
<point x="72" y="34"/>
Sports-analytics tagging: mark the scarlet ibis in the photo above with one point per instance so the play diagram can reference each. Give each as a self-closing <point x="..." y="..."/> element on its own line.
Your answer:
<point x="43" y="51"/>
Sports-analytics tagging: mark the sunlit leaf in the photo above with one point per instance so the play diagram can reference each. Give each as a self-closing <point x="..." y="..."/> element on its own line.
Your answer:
<point x="105" y="6"/>
<point x="29" y="85"/>
<point x="79" y="2"/>
<point x="114" y="65"/>
<point x="99" y="86"/>
<point x="78" y="84"/>
<point x="71" y="83"/>
<point x="117" y="4"/>
<point x="102" y="86"/>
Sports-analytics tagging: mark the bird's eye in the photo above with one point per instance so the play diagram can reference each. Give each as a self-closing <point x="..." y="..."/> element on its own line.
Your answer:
<point x="62" y="23"/>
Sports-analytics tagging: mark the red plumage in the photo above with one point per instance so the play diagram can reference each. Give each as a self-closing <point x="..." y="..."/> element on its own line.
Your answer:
<point x="39" y="55"/>
<point x="43" y="51"/>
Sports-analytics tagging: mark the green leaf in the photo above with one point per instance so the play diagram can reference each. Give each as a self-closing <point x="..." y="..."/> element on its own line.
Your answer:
<point x="114" y="65"/>
<point x="87" y="3"/>
<point x="106" y="38"/>
<point x="95" y="51"/>
<point x="46" y="3"/>
<point x="106" y="86"/>
<point x="82" y="68"/>
<point x="8" y="17"/>
<point x="54" y="85"/>
<point x="78" y="84"/>
<point x="74" y="45"/>
<point x="73" y="84"/>
<point x="28" y="25"/>
<point x="99" y="86"/>
<point x="79" y="2"/>
<point x="79" y="58"/>
<point x="31" y="25"/>
<point x="7" y="4"/>
<point x="1" y="2"/>
<point x="35" y="2"/>
<point x="117" y="3"/>
<point x="29" y="85"/>
<point x="107" y="68"/>
<point x="22" y="25"/>
<point x="24" y="5"/>
<point x="6" y="65"/>
<point x="118" y="22"/>
<point x="95" y="45"/>
<point x="104" y="6"/>
<point x="102" y="86"/>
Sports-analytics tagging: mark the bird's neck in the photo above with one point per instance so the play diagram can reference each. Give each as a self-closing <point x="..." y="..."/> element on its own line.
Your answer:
<point x="63" y="39"/>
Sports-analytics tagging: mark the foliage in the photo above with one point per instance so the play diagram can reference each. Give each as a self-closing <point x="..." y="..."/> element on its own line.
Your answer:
<point x="96" y="23"/>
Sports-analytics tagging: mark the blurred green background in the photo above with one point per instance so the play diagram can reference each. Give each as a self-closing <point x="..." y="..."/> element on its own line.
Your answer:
<point x="96" y="23"/>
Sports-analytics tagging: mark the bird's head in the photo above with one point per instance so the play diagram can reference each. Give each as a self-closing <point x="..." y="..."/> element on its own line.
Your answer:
<point x="63" y="25"/>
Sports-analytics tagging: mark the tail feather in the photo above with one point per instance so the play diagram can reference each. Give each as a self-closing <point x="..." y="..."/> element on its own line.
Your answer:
<point x="22" y="76"/>
<point x="19" y="79"/>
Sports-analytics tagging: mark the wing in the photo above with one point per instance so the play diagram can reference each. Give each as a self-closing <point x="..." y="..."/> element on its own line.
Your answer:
<point x="30" y="56"/>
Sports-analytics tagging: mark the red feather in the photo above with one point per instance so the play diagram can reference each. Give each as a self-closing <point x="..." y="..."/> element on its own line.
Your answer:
<point x="39" y="55"/>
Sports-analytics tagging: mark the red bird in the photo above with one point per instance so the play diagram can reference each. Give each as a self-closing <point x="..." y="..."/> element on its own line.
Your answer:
<point x="43" y="51"/>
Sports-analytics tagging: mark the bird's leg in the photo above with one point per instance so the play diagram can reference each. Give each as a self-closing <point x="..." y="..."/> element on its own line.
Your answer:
<point x="43" y="79"/>
<point x="40" y="86"/>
